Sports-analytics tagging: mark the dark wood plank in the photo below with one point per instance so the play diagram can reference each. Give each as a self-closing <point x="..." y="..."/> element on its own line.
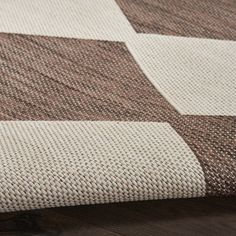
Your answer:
<point x="210" y="216"/>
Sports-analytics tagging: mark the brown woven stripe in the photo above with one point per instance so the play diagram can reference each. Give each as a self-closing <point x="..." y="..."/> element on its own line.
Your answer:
<point x="47" y="78"/>
<point x="213" y="140"/>
<point x="196" y="18"/>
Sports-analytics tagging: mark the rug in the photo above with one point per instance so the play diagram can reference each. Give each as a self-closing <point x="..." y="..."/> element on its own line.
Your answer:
<point x="116" y="100"/>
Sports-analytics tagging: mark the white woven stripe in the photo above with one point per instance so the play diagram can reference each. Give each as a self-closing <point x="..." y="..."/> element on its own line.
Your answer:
<point x="197" y="76"/>
<point x="47" y="164"/>
<point x="86" y="19"/>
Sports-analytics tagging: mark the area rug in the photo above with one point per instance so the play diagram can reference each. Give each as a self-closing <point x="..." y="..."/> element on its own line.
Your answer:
<point x="116" y="100"/>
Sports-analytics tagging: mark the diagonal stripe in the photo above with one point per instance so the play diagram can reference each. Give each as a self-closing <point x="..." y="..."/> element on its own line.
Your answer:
<point x="190" y="18"/>
<point x="48" y="164"/>
<point x="90" y="19"/>
<point x="197" y="76"/>
<point x="49" y="78"/>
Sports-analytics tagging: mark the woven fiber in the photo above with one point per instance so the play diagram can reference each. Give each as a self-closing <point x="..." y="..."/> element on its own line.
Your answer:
<point x="69" y="163"/>
<point x="111" y="100"/>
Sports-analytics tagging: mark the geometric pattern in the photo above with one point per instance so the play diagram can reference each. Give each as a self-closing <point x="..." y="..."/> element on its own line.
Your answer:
<point x="129" y="114"/>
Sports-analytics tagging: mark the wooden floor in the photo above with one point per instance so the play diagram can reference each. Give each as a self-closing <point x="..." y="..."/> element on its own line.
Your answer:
<point x="210" y="216"/>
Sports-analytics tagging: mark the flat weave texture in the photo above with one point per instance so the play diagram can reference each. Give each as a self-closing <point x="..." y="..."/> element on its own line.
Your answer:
<point x="69" y="163"/>
<point x="110" y="101"/>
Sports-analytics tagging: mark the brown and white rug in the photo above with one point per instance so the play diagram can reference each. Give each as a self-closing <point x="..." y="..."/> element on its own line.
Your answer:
<point x="116" y="100"/>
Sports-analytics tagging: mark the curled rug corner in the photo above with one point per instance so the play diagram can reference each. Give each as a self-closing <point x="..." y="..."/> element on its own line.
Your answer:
<point x="49" y="164"/>
<point x="100" y="104"/>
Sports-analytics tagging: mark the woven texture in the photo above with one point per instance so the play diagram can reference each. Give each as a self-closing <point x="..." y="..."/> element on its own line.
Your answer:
<point x="112" y="100"/>
<point x="69" y="163"/>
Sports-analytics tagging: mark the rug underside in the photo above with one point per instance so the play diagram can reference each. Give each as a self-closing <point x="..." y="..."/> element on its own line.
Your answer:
<point x="113" y="100"/>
